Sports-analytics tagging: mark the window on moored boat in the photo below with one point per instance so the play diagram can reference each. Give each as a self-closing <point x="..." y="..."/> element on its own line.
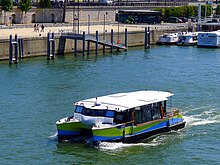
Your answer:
<point x="78" y="109"/>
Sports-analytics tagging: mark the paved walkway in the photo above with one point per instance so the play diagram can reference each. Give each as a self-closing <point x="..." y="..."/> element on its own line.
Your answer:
<point x="26" y="31"/>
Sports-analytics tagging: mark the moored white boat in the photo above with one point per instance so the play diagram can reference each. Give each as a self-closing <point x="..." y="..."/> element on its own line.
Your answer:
<point x="209" y="39"/>
<point x="126" y="117"/>
<point x="188" y="39"/>
<point x="168" y="39"/>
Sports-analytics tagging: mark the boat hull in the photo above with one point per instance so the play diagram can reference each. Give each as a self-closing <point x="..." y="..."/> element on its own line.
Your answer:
<point x="69" y="129"/>
<point x="133" y="134"/>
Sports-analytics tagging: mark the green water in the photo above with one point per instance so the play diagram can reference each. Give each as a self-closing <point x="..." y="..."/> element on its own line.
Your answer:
<point x="36" y="93"/>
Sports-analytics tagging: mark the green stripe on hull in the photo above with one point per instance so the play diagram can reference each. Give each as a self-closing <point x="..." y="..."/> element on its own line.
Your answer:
<point x="116" y="132"/>
<point x="72" y="126"/>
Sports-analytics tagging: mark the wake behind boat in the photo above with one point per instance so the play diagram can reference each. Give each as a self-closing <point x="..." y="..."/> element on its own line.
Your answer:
<point x="125" y="117"/>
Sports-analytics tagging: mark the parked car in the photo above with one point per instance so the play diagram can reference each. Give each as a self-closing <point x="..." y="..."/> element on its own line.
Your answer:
<point x="184" y="19"/>
<point x="193" y="19"/>
<point x="174" y="20"/>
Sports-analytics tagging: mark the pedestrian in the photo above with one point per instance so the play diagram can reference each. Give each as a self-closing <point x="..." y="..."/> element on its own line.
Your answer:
<point x="35" y="27"/>
<point x="42" y="28"/>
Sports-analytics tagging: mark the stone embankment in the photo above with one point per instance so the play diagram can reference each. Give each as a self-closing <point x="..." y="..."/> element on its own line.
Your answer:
<point x="35" y="42"/>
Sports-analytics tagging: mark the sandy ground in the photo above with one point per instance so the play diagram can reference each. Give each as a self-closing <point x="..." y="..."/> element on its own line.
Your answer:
<point x="29" y="32"/>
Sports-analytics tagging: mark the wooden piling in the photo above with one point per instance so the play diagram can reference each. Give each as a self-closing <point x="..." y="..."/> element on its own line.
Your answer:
<point x="75" y="46"/>
<point x="48" y="46"/>
<point x="83" y="43"/>
<point x="10" y="50"/>
<point x="13" y="50"/>
<point x="16" y="49"/>
<point x="97" y="44"/>
<point x="112" y="40"/>
<point x="148" y="31"/>
<point x="21" y="48"/>
<point x="126" y="38"/>
<point x="88" y="47"/>
<point x="147" y="38"/>
<point x="53" y="47"/>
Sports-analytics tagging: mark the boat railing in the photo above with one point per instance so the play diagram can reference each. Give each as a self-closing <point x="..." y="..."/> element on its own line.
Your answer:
<point x="172" y="112"/>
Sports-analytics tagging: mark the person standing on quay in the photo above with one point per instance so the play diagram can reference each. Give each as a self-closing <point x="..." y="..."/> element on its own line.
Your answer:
<point x="42" y="28"/>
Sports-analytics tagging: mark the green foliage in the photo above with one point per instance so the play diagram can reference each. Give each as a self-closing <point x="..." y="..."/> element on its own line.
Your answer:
<point x="45" y="3"/>
<point x="129" y="20"/>
<point x="183" y="11"/>
<point x="7" y="5"/>
<point x="218" y="10"/>
<point x="25" y="5"/>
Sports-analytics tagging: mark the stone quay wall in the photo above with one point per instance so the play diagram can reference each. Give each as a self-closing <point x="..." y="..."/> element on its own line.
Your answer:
<point x="38" y="46"/>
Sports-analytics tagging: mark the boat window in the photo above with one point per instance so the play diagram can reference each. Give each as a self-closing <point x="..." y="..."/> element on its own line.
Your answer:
<point x="94" y="112"/>
<point x="156" y="111"/>
<point x="137" y="117"/>
<point x="78" y="109"/>
<point x="110" y="113"/>
<point x="119" y="118"/>
<point x="146" y="113"/>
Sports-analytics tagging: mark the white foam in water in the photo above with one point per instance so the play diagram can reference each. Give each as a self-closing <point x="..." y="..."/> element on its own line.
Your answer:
<point x="207" y="117"/>
<point x="54" y="136"/>
<point x="118" y="146"/>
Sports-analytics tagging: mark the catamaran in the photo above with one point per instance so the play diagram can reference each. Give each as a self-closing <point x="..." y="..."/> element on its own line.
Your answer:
<point x="122" y="117"/>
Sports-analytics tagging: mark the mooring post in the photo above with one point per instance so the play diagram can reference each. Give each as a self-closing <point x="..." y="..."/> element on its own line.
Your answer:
<point x="53" y="47"/>
<point x="75" y="46"/>
<point x="10" y="50"/>
<point x="21" y="48"/>
<point x="148" y="31"/>
<point x="112" y="40"/>
<point x="83" y="43"/>
<point x="97" y="42"/>
<point x="48" y="46"/>
<point x="145" y="38"/>
<point x="88" y="47"/>
<point x="126" y="38"/>
<point x="16" y="49"/>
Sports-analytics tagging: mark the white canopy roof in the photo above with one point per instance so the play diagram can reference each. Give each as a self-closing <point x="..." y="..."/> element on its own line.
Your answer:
<point x="123" y="101"/>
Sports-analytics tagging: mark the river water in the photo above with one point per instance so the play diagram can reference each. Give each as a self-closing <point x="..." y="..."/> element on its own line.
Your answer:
<point x="35" y="93"/>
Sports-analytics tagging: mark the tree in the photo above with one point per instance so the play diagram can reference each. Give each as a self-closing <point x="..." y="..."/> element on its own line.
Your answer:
<point x="25" y="6"/>
<point x="218" y="10"/>
<point x="7" y="5"/>
<point x="45" y="3"/>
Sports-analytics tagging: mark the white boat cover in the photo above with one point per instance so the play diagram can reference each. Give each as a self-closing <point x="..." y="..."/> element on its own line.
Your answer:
<point x="123" y="101"/>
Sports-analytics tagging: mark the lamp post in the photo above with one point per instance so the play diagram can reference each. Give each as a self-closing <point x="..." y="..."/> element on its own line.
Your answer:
<point x="73" y="19"/>
<point x="78" y="16"/>
<point x="118" y="25"/>
<point x="88" y="24"/>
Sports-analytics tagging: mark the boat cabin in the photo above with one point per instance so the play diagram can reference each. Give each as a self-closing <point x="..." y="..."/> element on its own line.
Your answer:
<point x="138" y="115"/>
